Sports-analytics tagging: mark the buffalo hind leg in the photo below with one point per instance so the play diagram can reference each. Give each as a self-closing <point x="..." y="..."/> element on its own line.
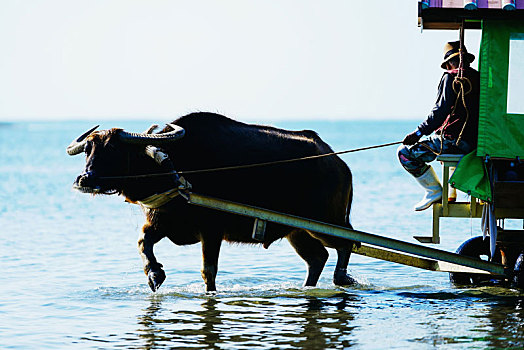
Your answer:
<point x="152" y="268"/>
<point x="343" y="247"/>
<point x="341" y="277"/>
<point x="312" y="251"/>
<point x="210" y="252"/>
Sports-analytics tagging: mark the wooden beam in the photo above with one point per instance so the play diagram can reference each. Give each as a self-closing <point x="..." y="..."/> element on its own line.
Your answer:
<point x="404" y="259"/>
<point x="346" y="233"/>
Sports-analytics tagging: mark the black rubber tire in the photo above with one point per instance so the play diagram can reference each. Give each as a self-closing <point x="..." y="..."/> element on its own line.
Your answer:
<point x="518" y="272"/>
<point x="475" y="247"/>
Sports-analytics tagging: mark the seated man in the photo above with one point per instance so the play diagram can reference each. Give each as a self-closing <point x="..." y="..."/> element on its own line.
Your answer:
<point x="454" y="119"/>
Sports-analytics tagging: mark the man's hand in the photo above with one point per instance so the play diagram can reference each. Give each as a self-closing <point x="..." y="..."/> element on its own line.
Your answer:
<point x="412" y="138"/>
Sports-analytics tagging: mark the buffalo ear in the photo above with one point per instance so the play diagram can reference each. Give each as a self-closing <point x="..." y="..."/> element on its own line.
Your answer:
<point x="155" y="153"/>
<point x="150" y="130"/>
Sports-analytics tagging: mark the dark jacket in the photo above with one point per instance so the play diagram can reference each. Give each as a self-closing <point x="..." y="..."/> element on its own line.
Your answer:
<point x="440" y="120"/>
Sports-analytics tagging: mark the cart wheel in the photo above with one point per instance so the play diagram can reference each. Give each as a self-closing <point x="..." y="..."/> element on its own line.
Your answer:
<point x="475" y="247"/>
<point x="518" y="277"/>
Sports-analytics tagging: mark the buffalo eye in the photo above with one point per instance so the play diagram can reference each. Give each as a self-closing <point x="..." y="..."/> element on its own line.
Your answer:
<point x="88" y="147"/>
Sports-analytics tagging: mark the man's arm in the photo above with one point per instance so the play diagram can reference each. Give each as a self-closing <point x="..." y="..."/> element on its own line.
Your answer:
<point x="445" y="100"/>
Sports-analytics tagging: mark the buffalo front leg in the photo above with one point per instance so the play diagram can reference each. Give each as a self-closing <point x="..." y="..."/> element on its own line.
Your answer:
<point x="210" y="252"/>
<point x="152" y="268"/>
<point x="313" y="253"/>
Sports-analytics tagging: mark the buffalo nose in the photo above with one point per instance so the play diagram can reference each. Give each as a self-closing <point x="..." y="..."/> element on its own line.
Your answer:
<point x="83" y="179"/>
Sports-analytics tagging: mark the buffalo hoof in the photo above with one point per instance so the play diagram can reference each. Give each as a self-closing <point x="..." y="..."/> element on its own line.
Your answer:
<point x="343" y="279"/>
<point x="155" y="279"/>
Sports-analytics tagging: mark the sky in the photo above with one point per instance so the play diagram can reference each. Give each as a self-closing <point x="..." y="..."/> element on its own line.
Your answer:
<point x="515" y="103"/>
<point x="247" y="59"/>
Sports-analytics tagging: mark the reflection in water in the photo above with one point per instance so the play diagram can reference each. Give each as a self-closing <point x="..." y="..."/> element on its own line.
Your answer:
<point x="149" y="330"/>
<point x="490" y="317"/>
<point x="506" y="318"/>
<point x="251" y="322"/>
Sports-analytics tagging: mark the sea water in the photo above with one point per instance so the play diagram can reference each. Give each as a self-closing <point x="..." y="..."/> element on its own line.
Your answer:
<point x="72" y="277"/>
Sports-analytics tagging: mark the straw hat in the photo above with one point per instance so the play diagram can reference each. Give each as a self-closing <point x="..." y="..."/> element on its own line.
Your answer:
<point x="451" y="49"/>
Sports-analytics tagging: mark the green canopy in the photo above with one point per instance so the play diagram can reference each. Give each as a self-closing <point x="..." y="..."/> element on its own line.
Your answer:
<point x="501" y="119"/>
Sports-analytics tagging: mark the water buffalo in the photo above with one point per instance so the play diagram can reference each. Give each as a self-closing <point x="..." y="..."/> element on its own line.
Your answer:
<point x="319" y="188"/>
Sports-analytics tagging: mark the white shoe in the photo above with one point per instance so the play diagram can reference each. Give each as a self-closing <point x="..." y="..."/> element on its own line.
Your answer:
<point x="430" y="182"/>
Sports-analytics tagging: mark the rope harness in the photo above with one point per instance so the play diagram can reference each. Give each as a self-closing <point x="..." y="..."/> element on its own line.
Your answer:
<point x="460" y="80"/>
<point x="461" y="95"/>
<point x="157" y="200"/>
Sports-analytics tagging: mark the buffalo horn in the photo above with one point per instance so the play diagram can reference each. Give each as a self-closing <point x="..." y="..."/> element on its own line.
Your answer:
<point x="77" y="146"/>
<point x="152" y="139"/>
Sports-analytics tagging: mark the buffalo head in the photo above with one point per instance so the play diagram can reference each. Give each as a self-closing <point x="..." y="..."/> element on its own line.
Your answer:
<point x="111" y="153"/>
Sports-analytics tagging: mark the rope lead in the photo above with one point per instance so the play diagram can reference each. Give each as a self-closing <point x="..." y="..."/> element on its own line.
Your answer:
<point x="235" y="167"/>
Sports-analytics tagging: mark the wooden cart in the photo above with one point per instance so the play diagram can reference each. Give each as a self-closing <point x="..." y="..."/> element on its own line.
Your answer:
<point x="501" y="132"/>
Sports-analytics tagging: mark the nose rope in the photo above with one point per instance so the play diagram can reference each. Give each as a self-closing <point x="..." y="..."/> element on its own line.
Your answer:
<point x="246" y="166"/>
